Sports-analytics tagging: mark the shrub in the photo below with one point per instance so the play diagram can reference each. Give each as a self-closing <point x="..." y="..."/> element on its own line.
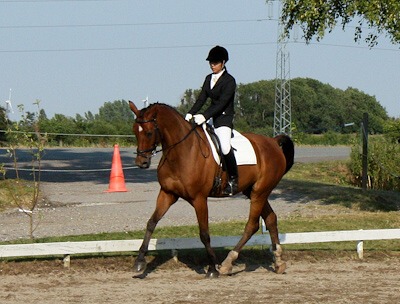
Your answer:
<point x="383" y="164"/>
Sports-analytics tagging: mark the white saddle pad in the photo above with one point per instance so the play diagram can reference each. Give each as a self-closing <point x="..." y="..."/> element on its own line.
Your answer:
<point x="244" y="151"/>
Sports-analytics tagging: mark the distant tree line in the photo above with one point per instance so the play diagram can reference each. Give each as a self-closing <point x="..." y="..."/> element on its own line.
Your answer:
<point x="317" y="108"/>
<point x="114" y="118"/>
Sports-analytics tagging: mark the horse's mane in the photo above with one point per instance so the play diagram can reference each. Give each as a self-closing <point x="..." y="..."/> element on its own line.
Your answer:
<point x="157" y="104"/>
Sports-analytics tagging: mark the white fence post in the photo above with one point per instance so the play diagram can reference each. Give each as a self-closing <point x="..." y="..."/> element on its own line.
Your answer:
<point x="67" y="261"/>
<point x="360" y="249"/>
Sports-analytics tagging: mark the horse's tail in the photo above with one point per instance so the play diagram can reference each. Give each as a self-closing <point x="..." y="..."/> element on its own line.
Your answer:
<point x="287" y="146"/>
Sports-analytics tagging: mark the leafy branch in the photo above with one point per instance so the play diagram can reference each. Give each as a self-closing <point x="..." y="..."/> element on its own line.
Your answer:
<point x="19" y="134"/>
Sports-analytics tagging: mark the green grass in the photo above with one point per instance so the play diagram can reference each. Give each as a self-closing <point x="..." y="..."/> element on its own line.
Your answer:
<point x="12" y="190"/>
<point x="328" y="182"/>
<point x="328" y="172"/>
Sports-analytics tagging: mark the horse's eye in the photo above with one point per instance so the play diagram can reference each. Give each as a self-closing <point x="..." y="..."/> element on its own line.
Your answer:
<point x="149" y="134"/>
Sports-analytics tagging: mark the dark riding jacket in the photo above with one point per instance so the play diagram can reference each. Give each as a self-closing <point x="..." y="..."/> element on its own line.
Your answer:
<point x="222" y="97"/>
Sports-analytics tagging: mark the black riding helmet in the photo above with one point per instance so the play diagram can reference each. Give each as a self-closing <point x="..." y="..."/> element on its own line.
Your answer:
<point x="218" y="54"/>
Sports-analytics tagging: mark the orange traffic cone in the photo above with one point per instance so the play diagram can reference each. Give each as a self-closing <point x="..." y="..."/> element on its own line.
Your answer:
<point x="117" y="180"/>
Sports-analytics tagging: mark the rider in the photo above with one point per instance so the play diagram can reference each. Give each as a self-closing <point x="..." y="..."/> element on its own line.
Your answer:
<point x="220" y="87"/>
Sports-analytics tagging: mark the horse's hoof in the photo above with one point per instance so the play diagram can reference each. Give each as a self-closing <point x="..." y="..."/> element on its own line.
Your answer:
<point x="225" y="270"/>
<point x="139" y="267"/>
<point x="212" y="275"/>
<point x="281" y="268"/>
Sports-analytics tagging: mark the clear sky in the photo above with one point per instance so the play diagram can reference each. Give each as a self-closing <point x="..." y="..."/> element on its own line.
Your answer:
<point x="75" y="55"/>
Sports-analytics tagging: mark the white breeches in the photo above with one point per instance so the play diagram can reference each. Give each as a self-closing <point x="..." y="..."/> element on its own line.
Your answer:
<point x="224" y="134"/>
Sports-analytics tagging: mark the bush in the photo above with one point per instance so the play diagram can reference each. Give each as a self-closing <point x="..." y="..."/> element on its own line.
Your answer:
<point x="392" y="130"/>
<point x="383" y="164"/>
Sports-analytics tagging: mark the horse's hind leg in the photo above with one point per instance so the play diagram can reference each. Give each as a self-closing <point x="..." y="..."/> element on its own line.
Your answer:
<point x="271" y="223"/>
<point x="164" y="201"/>
<point x="252" y="226"/>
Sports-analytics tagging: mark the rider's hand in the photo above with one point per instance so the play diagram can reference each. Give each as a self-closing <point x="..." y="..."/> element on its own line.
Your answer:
<point x="199" y="119"/>
<point x="188" y="117"/>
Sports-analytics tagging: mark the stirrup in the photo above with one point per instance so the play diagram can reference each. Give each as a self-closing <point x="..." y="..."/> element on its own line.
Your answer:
<point x="231" y="187"/>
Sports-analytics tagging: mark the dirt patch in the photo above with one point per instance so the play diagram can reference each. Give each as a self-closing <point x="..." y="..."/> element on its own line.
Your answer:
<point x="310" y="278"/>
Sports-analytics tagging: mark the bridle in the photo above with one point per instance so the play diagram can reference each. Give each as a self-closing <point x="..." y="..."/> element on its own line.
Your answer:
<point x="153" y="148"/>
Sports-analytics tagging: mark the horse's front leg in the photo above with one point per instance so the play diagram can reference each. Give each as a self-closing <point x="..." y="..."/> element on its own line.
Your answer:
<point x="201" y="209"/>
<point x="164" y="201"/>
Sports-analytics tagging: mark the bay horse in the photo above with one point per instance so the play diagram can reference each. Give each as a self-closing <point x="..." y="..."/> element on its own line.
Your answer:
<point x="187" y="170"/>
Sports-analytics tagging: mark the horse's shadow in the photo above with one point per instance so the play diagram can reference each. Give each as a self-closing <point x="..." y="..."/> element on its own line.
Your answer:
<point x="189" y="258"/>
<point x="196" y="260"/>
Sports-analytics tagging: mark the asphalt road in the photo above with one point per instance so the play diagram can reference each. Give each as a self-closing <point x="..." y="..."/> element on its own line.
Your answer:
<point x="94" y="164"/>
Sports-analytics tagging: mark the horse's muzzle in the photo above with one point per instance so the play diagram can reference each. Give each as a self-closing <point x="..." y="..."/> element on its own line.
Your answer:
<point x="143" y="162"/>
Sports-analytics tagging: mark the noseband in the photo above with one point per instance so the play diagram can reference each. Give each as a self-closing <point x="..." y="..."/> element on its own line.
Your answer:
<point x="153" y="149"/>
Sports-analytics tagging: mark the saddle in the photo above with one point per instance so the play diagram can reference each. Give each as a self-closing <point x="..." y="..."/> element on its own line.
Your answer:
<point x="214" y="139"/>
<point x="243" y="149"/>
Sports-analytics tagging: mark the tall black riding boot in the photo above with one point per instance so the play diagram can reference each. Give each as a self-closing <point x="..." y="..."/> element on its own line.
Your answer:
<point x="231" y="167"/>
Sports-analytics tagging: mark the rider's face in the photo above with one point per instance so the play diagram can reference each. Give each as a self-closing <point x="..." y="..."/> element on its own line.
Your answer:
<point x="217" y="67"/>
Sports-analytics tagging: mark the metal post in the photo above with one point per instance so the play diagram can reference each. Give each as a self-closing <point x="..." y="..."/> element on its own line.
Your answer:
<point x="364" y="131"/>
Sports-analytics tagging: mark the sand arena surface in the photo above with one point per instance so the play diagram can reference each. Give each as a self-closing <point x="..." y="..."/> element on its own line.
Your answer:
<point x="309" y="279"/>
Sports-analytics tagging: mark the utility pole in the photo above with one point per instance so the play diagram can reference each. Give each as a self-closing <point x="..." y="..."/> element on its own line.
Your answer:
<point x="283" y="99"/>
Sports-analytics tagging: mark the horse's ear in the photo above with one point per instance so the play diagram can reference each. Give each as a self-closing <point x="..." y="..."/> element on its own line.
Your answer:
<point x="133" y="108"/>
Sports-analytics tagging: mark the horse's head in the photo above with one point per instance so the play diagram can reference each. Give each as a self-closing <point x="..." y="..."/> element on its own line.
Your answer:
<point x="147" y="134"/>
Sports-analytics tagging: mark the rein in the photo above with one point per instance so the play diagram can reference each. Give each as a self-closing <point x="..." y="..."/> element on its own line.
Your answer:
<point x="153" y="149"/>
<point x="186" y="136"/>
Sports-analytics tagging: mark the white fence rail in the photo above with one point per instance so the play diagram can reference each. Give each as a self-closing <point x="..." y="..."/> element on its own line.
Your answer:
<point x="70" y="248"/>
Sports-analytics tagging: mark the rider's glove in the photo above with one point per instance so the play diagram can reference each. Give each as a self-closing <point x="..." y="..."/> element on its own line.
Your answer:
<point x="188" y="117"/>
<point x="199" y="119"/>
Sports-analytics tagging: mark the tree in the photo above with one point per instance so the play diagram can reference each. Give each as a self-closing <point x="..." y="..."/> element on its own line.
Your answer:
<point x="318" y="107"/>
<point x="116" y="111"/>
<point x="20" y="135"/>
<point x="62" y="125"/>
<point x="117" y="116"/>
<point x="391" y="130"/>
<point x="187" y="101"/>
<point x="3" y="124"/>
<point x="255" y="106"/>
<point x="315" y="17"/>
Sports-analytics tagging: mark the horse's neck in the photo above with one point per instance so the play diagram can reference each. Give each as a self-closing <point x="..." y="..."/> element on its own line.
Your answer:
<point x="175" y="135"/>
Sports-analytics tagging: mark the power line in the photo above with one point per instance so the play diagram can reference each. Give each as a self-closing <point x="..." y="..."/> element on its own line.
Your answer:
<point x="188" y="46"/>
<point x="130" y="48"/>
<point x="39" y="1"/>
<point x="134" y="24"/>
<point x="153" y="24"/>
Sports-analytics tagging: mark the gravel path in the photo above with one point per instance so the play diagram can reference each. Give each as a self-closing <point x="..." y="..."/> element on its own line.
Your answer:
<point x="87" y="209"/>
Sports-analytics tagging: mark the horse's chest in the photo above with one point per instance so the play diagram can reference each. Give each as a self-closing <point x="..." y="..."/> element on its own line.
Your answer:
<point x="179" y="179"/>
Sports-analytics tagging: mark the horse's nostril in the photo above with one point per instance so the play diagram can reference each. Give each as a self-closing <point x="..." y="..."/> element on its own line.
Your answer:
<point x="143" y="164"/>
